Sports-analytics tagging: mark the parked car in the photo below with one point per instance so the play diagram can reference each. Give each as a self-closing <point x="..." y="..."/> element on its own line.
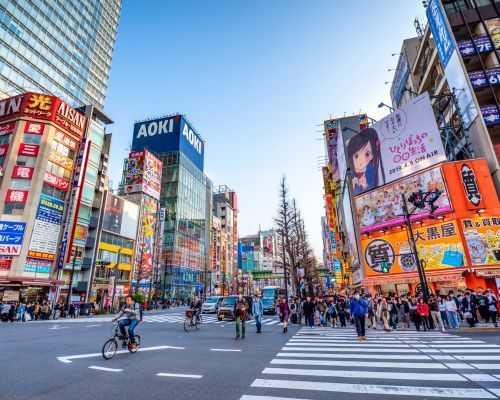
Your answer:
<point x="226" y="308"/>
<point x="212" y="304"/>
<point x="269" y="305"/>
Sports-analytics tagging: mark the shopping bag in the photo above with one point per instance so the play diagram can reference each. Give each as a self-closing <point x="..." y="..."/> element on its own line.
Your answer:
<point x="453" y="257"/>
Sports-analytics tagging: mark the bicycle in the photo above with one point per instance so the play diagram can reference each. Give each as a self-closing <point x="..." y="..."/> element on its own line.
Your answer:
<point x="191" y="321"/>
<point x="111" y="345"/>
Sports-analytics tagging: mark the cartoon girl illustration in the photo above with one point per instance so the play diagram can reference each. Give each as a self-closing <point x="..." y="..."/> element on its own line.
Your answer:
<point x="367" y="219"/>
<point x="363" y="151"/>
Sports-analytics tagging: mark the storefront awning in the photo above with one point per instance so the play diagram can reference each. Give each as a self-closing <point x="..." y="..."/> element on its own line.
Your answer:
<point x="488" y="273"/>
<point x="413" y="278"/>
<point x="125" y="267"/>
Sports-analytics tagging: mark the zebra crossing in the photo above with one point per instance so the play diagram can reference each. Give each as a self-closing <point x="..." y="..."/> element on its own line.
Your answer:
<point x="317" y="364"/>
<point x="207" y="319"/>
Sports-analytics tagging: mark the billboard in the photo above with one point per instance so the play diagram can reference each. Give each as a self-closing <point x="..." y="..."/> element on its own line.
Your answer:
<point x="268" y="244"/>
<point x="149" y="220"/>
<point x="45" y="107"/>
<point x="439" y="246"/>
<point x="349" y="226"/>
<point x="404" y="142"/>
<point x="45" y="236"/>
<point x="493" y="26"/>
<point x="382" y="207"/>
<point x="169" y="134"/>
<point x="11" y="237"/>
<point x="143" y="174"/>
<point x="332" y="136"/>
<point x="120" y="216"/>
<point x="482" y="236"/>
<point x="451" y="63"/>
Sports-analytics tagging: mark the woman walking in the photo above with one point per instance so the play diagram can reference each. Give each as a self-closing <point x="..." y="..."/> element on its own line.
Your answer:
<point x="284" y="313"/>
<point x="383" y="314"/>
<point x="452" y="310"/>
<point x="401" y="314"/>
<point x="423" y="311"/>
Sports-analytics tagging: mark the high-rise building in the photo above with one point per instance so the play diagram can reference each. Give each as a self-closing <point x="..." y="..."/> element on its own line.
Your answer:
<point x="60" y="47"/>
<point x="455" y="58"/>
<point x="183" y="195"/>
<point x="225" y="207"/>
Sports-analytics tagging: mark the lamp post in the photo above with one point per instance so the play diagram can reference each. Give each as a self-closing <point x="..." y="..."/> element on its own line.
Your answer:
<point x="115" y="269"/>
<point x="382" y="104"/>
<point x="284" y="264"/>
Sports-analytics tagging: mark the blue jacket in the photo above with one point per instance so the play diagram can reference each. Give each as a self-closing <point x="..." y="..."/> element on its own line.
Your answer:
<point x="358" y="307"/>
<point x="257" y="308"/>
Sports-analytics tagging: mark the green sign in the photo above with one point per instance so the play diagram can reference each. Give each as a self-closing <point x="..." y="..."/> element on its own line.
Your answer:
<point x="385" y="267"/>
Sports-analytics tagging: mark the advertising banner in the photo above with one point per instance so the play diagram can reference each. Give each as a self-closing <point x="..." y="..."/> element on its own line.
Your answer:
<point x="493" y="26"/>
<point x="451" y="62"/>
<point x="16" y="196"/>
<point x="149" y="214"/>
<point x="61" y="160"/>
<point x="466" y="47"/>
<point x="34" y="128"/>
<point x="11" y="237"/>
<point x="37" y="266"/>
<point x="3" y="149"/>
<point x="404" y="142"/>
<point x="490" y="114"/>
<point x="332" y="132"/>
<point x="349" y="226"/>
<point x="439" y="246"/>
<point x="482" y="236"/>
<point x="267" y="244"/>
<point x="382" y="208"/>
<point x="5" y="264"/>
<point x="400" y="78"/>
<point x="22" y="172"/>
<point x="56" y="181"/>
<point x="66" y="140"/>
<point x="48" y="220"/>
<point x="479" y="80"/>
<point x="143" y="174"/>
<point x="120" y="216"/>
<point x="7" y="129"/>
<point x="470" y="185"/>
<point x="26" y="149"/>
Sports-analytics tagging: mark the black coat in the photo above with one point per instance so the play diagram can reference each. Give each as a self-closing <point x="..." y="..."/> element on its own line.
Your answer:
<point x="309" y="307"/>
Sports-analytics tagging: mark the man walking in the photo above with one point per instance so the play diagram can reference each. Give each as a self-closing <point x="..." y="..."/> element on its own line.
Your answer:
<point x="258" y="310"/>
<point x="240" y="313"/>
<point x="435" y="313"/>
<point x="309" y="307"/>
<point x="358" y="309"/>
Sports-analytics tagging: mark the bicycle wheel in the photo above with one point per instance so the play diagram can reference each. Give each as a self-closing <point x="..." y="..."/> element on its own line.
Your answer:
<point x="137" y="344"/>
<point x="199" y="321"/>
<point x="109" y="349"/>
<point x="187" y="324"/>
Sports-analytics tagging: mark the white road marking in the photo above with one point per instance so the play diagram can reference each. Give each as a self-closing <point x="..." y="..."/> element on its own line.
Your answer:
<point x="179" y="375"/>
<point x="58" y="327"/>
<point x="271" y="322"/>
<point x="361" y="356"/>
<point x="344" y="341"/>
<point x="486" y="366"/>
<point x="90" y="326"/>
<point x="358" y="344"/>
<point x="350" y="350"/>
<point x="380" y="364"/>
<point x="470" y="351"/>
<point x="106" y="369"/>
<point x="248" y="397"/>
<point x="67" y="359"/>
<point x="471" y="346"/>
<point x="225" y="349"/>
<point x="482" y="358"/>
<point x="375" y="389"/>
<point x="366" y="374"/>
<point x="481" y="377"/>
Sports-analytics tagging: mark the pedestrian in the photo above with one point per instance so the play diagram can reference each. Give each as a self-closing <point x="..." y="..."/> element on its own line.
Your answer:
<point x="332" y="312"/>
<point x="423" y="312"/>
<point x="451" y="309"/>
<point x="469" y="309"/>
<point x="12" y="312"/>
<point x="341" y="311"/>
<point x="372" y="320"/>
<point x="20" y="313"/>
<point x="491" y="304"/>
<point x="435" y="313"/>
<point x="401" y="313"/>
<point x="459" y="299"/>
<point x="482" y="305"/>
<point x="293" y="311"/>
<point x="384" y="314"/>
<point x="414" y="315"/>
<point x="322" y="310"/>
<point x="442" y="310"/>
<point x="358" y="310"/>
<point x="5" y="312"/>
<point x="284" y="313"/>
<point x="72" y="310"/>
<point x="393" y="312"/>
<point x="300" y="312"/>
<point x="309" y="308"/>
<point x="240" y="313"/>
<point x="257" y="311"/>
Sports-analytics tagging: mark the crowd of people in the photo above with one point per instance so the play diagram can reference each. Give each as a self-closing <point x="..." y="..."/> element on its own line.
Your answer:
<point x="391" y="312"/>
<point x="38" y="311"/>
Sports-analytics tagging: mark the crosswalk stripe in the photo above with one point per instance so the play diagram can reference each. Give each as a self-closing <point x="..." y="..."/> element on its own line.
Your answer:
<point x="486" y="366"/>
<point x="481" y="377"/>
<point x="468" y="346"/>
<point x="270" y="323"/>
<point x="351" y="341"/>
<point x="348" y="350"/>
<point x="482" y="358"/>
<point x="380" y="364"/>
<point x="327" y="344"/>
<point x="359" y="356"/>
<point x="375" y="389"/>
<point x="470" y="351"/>
<point x="365" y="374"/>
<point x="251" y="397"/>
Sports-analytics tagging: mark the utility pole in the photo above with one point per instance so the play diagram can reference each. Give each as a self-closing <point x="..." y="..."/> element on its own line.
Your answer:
<point x="284" y="264"/>
<point x="115" y="270"/>
<point x="70" y="286"/>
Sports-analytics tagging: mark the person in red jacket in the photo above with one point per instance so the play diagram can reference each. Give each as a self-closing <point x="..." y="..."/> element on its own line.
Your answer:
<point x="423" y="311"/>
<point x="284" y="313"/>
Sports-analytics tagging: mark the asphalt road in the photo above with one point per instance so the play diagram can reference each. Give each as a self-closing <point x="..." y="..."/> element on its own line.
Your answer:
<point x="38" y="362"/>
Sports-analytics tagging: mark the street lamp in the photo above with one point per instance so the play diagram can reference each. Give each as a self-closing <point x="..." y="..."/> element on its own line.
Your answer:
<point x="346" y="128"/>
<point x="419" y="199"/>
<point x="385" y="105"/>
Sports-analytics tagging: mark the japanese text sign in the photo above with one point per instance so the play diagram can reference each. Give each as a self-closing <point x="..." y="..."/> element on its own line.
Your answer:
<point x="482" y="236"/>
<point x="16" y="196"/>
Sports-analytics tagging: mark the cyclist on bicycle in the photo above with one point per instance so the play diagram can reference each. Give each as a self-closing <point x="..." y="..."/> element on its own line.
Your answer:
<point x="196" y="306"/>
<point x="132" y="313"/>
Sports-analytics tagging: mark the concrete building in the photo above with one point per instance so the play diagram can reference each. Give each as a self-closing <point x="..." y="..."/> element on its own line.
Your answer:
<point x="225" y="207"/>
<point x="60" y="48"/>
<point x="460" y="72"/>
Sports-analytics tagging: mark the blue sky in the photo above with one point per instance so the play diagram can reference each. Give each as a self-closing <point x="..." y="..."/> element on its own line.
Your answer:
<point x="256" y="78"/>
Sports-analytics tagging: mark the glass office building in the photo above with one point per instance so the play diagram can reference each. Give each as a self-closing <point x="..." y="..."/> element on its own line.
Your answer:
<point x="62" y="47"/>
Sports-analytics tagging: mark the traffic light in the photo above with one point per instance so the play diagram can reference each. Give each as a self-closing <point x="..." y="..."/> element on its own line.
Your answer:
<point x="433" y="196"/>
<point x="417" y="199"/>
<point x="384" y="266"/>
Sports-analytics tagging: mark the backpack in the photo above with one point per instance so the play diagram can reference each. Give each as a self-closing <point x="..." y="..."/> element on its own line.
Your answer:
<point x="141" y="311"/>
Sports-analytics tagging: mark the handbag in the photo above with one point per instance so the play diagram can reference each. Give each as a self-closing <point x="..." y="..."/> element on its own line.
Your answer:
<point x="453" y="257"/>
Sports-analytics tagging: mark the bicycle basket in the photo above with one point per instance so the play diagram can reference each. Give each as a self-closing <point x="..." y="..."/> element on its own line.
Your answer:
<point x="190" y="313"/>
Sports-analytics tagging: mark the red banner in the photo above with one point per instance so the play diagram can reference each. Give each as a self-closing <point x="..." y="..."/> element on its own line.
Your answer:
<point x="40" y="254"/>
<point x="5" y="264"/>
<point x="54" y="180"/>
<point x="35" y="128"/>
<point x="7" y="129"/>
<point x="26" y="149"/>
<point x="3" y="149"/>
<point x="66" y="140"/>
<point x="22" y="172"/>
<point x="16" y="196"/>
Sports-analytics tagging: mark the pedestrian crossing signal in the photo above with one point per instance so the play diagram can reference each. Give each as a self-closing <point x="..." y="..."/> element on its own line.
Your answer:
<point x="384" y="266"/>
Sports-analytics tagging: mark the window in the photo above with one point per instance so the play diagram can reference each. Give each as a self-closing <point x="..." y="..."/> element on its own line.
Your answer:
<point x="5" y="139"/>
<point x="88" y="193"/>
<point x="53" y="192"/>
<point x="20" y="184"/>
<point x="94" y="156"/>
<point x="57" y="170"/>
<point x="30" y="138"/>
<point x="26" y="161"/>
<point x="13" y="208"/>
<point x="84" y="213"/>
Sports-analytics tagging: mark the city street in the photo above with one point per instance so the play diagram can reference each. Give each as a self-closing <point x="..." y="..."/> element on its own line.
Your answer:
<point x="62" y="360"/>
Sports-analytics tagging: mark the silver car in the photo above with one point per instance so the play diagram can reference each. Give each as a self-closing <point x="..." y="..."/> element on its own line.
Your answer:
<point x="212" y="304"/>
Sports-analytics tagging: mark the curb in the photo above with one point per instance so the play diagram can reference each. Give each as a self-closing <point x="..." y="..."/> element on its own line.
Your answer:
<point x="478" y="329"/>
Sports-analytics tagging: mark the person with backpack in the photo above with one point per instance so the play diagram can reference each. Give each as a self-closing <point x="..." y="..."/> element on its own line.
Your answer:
<point x="133" y="315"/>
<point x="258" y="311"/>
<point x="358" y="309"/>
<point x="332" y="312"/>
<point x="240" y="313"/>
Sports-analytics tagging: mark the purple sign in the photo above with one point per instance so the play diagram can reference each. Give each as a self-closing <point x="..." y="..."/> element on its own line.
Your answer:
<point x="478" y="80"/>
<point x="490" y="114"/>
<point x="483" y="44"/>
